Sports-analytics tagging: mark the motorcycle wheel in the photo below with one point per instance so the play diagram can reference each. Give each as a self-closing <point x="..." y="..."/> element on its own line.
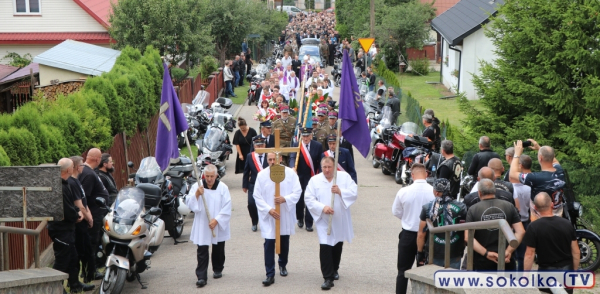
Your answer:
<point x="375" y="163"/>
<point x="385" y="171"/>
<point x="177" y="229"/>
<point x="130" y="277"/>
<point x="249" y="99"/>
<point x="590" y="254"/>
<point x="336" y="82"/>
<point x="115" y="282"/>
<point x="398" y="175"/>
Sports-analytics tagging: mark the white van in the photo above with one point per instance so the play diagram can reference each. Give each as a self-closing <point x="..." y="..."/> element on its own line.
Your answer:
<point x="291" y="10"/>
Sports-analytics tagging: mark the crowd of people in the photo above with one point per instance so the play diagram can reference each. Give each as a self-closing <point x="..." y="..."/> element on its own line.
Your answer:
<point x="76" y="238"/>
<point x="531" y="203"/>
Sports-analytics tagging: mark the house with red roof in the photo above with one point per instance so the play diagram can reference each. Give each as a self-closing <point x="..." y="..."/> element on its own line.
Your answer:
<point x="34" y="26"/>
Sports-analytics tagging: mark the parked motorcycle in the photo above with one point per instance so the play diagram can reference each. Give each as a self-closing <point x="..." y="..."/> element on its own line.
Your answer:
<point x="216" y="147"/>
<point x="195" y="130"/>
<point x="164" y="192"/>
<point x="336" y="74"/>
<point x="255" y="77"/>
<point x="132" y="232"/>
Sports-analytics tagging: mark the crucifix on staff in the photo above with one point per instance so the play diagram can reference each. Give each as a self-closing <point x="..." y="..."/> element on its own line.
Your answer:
<point x="277" y="176"/>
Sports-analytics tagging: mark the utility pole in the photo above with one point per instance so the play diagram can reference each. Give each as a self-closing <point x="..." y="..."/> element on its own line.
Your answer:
<point x="372" y="31"/>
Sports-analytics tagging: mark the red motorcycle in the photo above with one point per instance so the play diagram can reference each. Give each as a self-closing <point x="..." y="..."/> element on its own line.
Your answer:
<point x="399" y="149"/>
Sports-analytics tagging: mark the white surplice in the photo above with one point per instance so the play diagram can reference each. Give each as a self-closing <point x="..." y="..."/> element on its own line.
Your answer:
<point x="284" y="88"/>
<point x="264" y="195"/>
<point x="219" y="206"/>
<point x="318" y="195"/>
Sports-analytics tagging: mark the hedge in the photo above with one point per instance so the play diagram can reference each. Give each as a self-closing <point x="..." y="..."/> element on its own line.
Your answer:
<point x="124" y="99"/>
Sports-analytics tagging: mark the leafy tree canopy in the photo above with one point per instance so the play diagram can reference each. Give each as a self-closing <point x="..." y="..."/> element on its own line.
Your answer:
<point x="176" y="27"/>
<point x="545" y="82"/>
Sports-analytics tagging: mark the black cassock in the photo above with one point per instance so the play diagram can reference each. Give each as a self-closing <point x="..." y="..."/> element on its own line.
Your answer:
<point x="331" y="54"/>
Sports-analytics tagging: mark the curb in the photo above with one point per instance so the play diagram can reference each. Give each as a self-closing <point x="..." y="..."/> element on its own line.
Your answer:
<point x="237" y="112"/>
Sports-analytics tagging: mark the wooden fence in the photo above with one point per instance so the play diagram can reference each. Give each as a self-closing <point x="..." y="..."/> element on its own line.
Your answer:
<point x="143" y="143"/>
<point x="16" y="246"/>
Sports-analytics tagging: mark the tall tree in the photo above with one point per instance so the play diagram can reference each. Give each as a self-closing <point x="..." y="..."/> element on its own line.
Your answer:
<point x="545" y="82"/>
<point x="176" y="27"/>
<point x="404" y="26"/>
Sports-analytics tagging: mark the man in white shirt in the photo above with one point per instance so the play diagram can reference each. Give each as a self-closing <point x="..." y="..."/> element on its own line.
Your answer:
<point x="523" y="194"/>
<point x="218" y="201"/>
<point x="407" y="207"/>
<point x="318" y="200"/>
<point x="264" y="196"/>
<point x="286" y="60"/>
<point x="312" y="80"/>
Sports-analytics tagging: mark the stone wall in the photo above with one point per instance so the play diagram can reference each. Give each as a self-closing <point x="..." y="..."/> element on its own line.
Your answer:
<point x="42" y="280"/>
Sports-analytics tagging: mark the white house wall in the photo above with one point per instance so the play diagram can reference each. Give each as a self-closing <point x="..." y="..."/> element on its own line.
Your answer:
<point x="56" y="16"/>
<point x="477" y="47"/>
<point x="448" y="66"/>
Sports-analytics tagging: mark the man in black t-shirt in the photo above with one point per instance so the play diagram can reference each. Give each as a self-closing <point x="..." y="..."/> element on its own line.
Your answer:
<point x="450" y="167"/>
<point x="442" y="211"/>
<point x="104" y="171"/>
<point x="93" y="188"/>
<point x="482" y="158"/>
<point x="486" y="241"/>
<point x="552" y="238"/>
<point x="429" y="131"/>
<point x="435" y="123"/>
<point x="550" y="180"/>
<point x="487" y="173"/>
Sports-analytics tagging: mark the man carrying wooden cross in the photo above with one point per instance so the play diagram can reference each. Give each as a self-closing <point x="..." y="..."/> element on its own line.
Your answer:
<point x="267" y="202"/>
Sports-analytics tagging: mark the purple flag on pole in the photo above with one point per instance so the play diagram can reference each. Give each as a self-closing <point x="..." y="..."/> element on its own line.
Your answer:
<point x="352" y="112"/>
<point x="171" y="122"/>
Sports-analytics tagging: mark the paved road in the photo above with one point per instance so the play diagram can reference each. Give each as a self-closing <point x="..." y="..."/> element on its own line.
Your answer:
<point x="368" y="263"/>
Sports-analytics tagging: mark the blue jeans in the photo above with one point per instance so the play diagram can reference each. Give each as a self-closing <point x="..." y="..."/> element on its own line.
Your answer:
<point x="371" y="88"/>
<point x="454" y="262"/>
<point x="237" y="78"/>
<point x="520" y="252"/>
<point x="228" y="89"/>
<point x="270" y="254"/>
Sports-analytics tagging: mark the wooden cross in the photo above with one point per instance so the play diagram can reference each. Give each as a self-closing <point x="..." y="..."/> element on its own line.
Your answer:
<point x="277" y="176"/>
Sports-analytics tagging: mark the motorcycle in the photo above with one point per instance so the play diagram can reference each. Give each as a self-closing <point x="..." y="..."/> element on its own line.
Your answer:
<point x="337" y="59"/>
<point x="195" y="128"/>
<point x="216" y="147"/>
<point x="164" y="192"/>
<point x="132" y="232"/>
<point x="336" y="73"/>
<point x="255" y="78"/>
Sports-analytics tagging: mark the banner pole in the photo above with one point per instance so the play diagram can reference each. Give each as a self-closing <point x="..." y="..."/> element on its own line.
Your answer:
<point x="198" y="178"/>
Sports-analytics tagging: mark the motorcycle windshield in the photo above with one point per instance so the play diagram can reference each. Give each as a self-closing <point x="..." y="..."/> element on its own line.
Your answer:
<point x="410" y="128"/>
<point x="212" y="138"/>
<point x="386" y="117"/>
<point x="201" y="97"/>
<point x="186" y="107"/>
<point x="129" y="204"/>
<point x="369" y="102"/>
<point x="220" y="119"/>
<point x="262" y="69"/>
<point x="149" y="171"/>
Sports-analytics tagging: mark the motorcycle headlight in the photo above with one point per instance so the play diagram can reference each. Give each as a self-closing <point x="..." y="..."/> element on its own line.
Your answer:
<point x="205" y="150"/>
<point x="121" y="229"/>
<point x="379" y="129"/>
<point x="216" y="154"/>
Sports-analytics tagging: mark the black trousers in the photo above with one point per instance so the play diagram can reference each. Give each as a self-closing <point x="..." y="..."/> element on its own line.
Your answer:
<point x="407" y="252"/>
<point x="330" y="257"/>
<point x="302" y="213"/>
<point x="242" y="76"/>
<point x="65" y="254"/>
<point x="252" y="210"/>
<point x="85" y="253"/>
<point x="270" y="254"/>
<point x="217" y="258"/>
<point x="95" y="234"/>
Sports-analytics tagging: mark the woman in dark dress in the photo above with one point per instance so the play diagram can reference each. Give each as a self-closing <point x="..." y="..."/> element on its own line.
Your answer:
<point x="242" y="139"/>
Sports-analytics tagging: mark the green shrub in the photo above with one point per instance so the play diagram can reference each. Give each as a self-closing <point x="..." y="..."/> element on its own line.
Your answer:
<point x="68" y="122"/>
<point x="92" y="110"/>
<point x="420" y="66"/>
<point x="4" y="160"/>
<point x="208" y="65"/>
<point x="19" y="146"/>
<point x="114" y="102"/>
<point x="178" y="74"/>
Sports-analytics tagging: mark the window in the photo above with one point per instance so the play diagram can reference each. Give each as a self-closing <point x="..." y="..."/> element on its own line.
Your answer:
<point x="27" y="6"/>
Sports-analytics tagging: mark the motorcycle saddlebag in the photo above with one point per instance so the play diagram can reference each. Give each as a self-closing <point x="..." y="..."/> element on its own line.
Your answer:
<point x="417" y="141"/>
<point x="152" y="195"/>
<point x="157" y="237"/>
<point x="182" y="168"/>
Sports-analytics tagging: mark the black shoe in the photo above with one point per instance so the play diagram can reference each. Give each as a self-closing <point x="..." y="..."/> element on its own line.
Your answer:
<point x="300" y="224"/>
<point x="327" y="285"/>
<point x="201" y="283"/>
<point x="81" y="287"/>
<point x="309" y="229"/>
<point x="336" y="276"/>
<point x="217" y="275"/>
<point x="269" y="281"/>
<point x="254" y="228"/>
<point x="282" y="271"/>
<point x="98" y="276"/>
